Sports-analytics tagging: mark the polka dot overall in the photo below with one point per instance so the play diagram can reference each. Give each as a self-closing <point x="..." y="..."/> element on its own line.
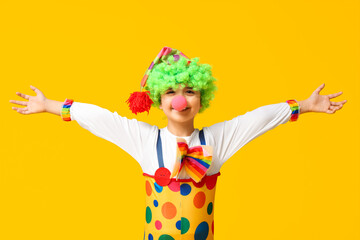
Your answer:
<point x="179" y="209"/>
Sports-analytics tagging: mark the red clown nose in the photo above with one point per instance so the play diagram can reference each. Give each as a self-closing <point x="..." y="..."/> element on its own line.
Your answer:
<point x="179" y="103"/>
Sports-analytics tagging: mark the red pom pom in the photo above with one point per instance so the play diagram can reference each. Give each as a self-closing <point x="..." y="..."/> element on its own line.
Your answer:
<point x="139" y="102"/>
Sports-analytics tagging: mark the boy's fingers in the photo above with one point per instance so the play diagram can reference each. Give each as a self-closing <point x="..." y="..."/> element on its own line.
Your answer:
<point x="333" y="109"/>
<point x="334" y="95"/>
<point x="27" y="97"/>
<point x="19" y="110"/>
<point x="336" y="103"/>
<point x="37" y="91"/>
<point x="319" y="88"/>
<point x="23" y="110"/>
<point x="23" y="103"/>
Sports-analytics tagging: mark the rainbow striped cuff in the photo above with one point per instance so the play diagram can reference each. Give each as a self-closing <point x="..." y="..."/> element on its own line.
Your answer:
<point x="65" y="111"/>
<point x="295" y="109"/>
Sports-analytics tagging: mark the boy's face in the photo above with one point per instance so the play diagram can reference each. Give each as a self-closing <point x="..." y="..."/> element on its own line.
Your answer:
<point x="192" y="108"/>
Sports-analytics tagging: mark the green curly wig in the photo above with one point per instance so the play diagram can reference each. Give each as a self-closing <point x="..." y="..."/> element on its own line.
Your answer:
<point x="195" y="75"/>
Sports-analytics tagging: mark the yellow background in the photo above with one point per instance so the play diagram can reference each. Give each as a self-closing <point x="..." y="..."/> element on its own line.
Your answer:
<point x="299" y="181"/>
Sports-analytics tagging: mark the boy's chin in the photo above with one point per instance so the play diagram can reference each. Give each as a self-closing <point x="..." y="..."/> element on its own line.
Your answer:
<point x="179" y="118"/>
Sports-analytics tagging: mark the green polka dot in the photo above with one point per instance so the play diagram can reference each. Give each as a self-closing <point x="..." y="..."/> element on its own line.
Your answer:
<point x="185" y="225"/>
<point x="210" y="208"/>
<point x="148" y="215"/>
<point x="166" y="237"/>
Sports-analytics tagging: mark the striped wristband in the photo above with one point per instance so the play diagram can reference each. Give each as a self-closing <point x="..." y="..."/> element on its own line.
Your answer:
<point x="65" y="110"/>
<point x="295" y="109"/>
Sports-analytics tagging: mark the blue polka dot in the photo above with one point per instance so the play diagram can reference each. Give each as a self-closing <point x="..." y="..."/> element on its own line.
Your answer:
<point x="178" y="225"/>
<point x="150" y="237"/>
<point x="202" y="231"/>
<point x="156" y="203"/>
<point x="185" y="189"/>
<point x="158" y="188"/>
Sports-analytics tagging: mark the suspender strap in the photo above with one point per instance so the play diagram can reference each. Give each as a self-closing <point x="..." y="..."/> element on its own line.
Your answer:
<point x="159" y="151"/>
<point x="202" y="137"/>
<point x="159" y="146"/>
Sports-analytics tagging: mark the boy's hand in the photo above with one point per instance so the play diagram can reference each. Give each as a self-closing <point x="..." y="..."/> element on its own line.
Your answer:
<point x="322" y="103"/>
<point x="36" y="104"/>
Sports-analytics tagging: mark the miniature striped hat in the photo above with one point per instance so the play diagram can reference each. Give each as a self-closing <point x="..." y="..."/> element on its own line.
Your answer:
<point x="140" y="101"/>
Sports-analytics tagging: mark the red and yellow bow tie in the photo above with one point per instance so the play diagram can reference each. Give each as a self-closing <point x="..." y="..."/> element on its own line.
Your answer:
<point x="196" y="160"/>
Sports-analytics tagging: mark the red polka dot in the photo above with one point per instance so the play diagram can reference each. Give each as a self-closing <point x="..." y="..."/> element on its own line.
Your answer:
<point x="158" y="225"/>
<point x="199" y="199"/>
<point x="174" y="186"/>
<point x="211" y="182"/>
<point x="168" y="210"/>
<point x="212" y="227"/>
<point x="148" y="188"/>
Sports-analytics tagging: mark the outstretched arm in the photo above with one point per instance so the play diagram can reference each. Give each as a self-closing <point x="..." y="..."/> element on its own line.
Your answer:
<point x="234" y="134"/>
<point x="129" y="134"/>
<point x="321" y="103"/>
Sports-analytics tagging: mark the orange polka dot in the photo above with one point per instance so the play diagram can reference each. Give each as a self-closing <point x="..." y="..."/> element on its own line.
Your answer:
<point x="148" y="188"/>
<point x="199" y="199"/>
<point x="168" y="210"/>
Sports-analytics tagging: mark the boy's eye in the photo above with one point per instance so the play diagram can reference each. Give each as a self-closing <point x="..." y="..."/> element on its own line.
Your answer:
<point x="190" y="91"/>
<point x="170" y="92"/>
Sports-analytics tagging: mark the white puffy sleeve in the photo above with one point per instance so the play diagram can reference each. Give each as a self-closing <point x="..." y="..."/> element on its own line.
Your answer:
<point x="129" y="134"/>
<point x="230" y="136"/>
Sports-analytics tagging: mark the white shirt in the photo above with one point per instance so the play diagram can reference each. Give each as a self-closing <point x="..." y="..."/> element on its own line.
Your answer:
<point x="139" y="138"/>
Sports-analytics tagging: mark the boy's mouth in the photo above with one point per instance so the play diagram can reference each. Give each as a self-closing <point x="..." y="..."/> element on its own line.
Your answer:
<point x="181" y="110"/>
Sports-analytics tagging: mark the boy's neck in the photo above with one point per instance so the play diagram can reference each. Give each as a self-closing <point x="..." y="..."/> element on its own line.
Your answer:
<point x="181" y="129"/>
